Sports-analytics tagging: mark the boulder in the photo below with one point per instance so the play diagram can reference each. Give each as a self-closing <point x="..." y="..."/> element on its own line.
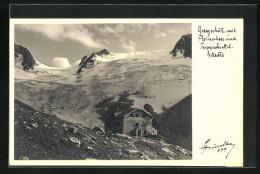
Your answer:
<point x="98" y="129"/>
<point x="35" y="125"/>
<point x="183" y="47"/>
<point x="23" y="158"/>
<point x="74" y="140"/>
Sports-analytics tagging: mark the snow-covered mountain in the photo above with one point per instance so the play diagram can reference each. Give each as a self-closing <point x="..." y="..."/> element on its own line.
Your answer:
<point x="23" y="58"/>
<point x="64" y="103"/>
<point x="89" y="61"/>
<point x="137" y="78"/>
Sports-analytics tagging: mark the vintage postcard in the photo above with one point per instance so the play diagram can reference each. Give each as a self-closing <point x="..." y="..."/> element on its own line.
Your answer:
<point x="126" y="92"/>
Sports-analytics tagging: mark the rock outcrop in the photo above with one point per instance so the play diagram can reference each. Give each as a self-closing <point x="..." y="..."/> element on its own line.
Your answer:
<point x="183" y="47"/>
<point x="102" y="53"/>
<point x="23" y="58"/>
<point x="88" y="61"/>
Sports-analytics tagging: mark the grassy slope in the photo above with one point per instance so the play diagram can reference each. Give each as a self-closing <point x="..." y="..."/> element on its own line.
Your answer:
<point x="41" y="136"/>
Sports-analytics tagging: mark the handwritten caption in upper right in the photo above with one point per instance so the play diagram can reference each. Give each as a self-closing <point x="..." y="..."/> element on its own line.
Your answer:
<point x="216" y="41"/>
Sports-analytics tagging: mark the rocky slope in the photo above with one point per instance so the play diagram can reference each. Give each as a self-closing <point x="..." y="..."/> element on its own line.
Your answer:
<point x="89" y="61"/>
<point x="23" y="58"/>
<point x="183" y="48"/>
<point x="175" y="123"/>
<point x="39" y="136"/>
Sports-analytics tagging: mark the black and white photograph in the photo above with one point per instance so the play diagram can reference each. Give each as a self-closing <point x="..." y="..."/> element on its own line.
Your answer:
<point x="103" y="91"/>
<point x="130" y="86"/>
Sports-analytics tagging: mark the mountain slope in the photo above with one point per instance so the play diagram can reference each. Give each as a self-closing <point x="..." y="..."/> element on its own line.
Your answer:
<point x="23" y="58"/>
<point x="89" y="61"/>
<point x="183" y="47"/>
<point x="175" y="123"/>
<point x="148" y="77"/>
<point x="39" y="136"/>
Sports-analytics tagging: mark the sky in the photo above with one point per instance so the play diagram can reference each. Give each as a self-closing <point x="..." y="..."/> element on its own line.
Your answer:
<point x="60" y="45"/>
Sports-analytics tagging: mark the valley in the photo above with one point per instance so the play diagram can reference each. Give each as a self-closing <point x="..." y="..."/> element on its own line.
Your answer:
<point x="62" y="108"/>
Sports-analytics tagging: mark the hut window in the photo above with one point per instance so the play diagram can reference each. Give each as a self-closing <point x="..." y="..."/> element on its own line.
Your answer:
<point x="132" y="115"/>
<point x="136" y="115"/>
<point x="136" y="124"/>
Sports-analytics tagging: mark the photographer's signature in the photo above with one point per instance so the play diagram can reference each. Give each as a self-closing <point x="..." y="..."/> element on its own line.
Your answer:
<point x="225" y="147"/>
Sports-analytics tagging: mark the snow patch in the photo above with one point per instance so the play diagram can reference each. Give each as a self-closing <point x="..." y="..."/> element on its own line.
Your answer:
<point x="115" y="99"/>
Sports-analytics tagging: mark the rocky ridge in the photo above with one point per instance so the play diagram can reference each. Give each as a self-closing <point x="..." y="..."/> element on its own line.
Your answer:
<point x="89" y="61"/>
<point x="183" y="47"/>
<point x="23" y="58"/>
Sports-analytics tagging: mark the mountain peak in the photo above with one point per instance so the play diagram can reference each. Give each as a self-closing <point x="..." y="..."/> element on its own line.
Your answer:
<point x="23" y="57"/>
<point x="88" y="61"/>
<point x="103" y="52"/>
<point x="182" y="47"/>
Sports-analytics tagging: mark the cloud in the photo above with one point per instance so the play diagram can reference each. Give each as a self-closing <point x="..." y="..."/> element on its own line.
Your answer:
<point x="108" y="29"/>
<point x="120" y="28"/>
<point x="160" y="34"/>
<point x="113" y="29"/>
<point x="128" y="45"/>
<point x="171" y="31"/>
<point x="115" y="37"/>
<point x="60" y="62"/>
<point x="61" y="32"/>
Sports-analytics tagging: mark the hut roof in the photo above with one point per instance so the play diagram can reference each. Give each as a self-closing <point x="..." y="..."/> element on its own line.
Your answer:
<point x="128" y="111"/>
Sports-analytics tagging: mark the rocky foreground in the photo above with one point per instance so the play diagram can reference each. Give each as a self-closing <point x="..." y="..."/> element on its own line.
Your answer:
<point x="39" y="136"/>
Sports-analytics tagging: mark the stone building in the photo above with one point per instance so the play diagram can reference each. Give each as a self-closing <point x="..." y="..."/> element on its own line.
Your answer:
<point x="133" y="122"/>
